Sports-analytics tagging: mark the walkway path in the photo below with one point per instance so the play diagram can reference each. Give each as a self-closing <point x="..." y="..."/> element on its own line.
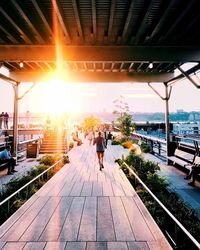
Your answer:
<point x="84" y="208"/>
<point x="190" y="195"/>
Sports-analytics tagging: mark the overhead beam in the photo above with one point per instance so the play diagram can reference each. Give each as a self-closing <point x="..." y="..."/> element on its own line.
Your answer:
<point x="94" y="19"/>
<point x="100" y="53"/>
<point x="188" y="72"/>
<point x="44" y="20"/>
<point x="144" y="24"/>
<point x="77" y="17"/>
<point x="128" y="20"/>
<point x="178" y="20"/>
<point x="92" y="77"/>
<point x="36" y="34"/>
<point x="19" y="30"/>
<point x="61" y="21"/>
<point x="111" y="18"/>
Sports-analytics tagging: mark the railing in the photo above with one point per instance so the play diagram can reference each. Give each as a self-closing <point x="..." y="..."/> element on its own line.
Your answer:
<point x="26" y="186"/>
<point x="194" y="242"/>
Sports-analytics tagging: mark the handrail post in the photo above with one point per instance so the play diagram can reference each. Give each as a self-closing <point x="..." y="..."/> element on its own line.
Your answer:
<point x="15" y="120"/>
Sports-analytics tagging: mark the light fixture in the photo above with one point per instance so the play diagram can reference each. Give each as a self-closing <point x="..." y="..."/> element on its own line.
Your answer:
<point x="21" y="64"/>
<point x="151" y="65"/>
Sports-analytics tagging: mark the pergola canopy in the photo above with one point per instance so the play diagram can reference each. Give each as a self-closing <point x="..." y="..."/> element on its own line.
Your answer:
<point x="100" y="40"/>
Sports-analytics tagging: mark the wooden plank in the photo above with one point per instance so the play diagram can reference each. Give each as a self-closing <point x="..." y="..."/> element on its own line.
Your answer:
<point x="105" y="226"/>
<point x="107" y="189"/>
<point x="67" y="188"/>
<point x="55" y="245"/>
<point x="87" y="231"/>
<point x="138" y="245"/>
<point x="54" y="226"/>
<point x="155" y="246"/>
<point x="77" y="188"/>
<point x="2" y="244"/>
<point x="117" y="189"/>
<point x="118" y="246"/>
<point x="8" y="223"/>
<point x="71" y="226"/>
<point x="138" y="224"/>
<point x="96" y="246"/>
<point x="76" y="246"/>
<point x="101" y="176"/>
<point x="34" y="230"/>
<point x="58" y="179"/>
<point x="14" y="245"/>
<point x="87" y="189"/>
<point x="15" y="232"/>
<point x="97" y="189"/>
<point x="157" y="233"/>
<point x="34" y="245"/>
<point x="93" y="176"/>
<point x="121" y="223"/>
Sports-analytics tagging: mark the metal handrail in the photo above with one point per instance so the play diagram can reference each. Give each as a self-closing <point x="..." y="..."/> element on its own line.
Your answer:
<point x="27" y="184"/>
<point x="197" y="244"/>
<point x="28" y="141"/>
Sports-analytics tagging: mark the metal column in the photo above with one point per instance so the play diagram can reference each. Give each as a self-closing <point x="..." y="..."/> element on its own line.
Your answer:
<point x="168" y="90"/>
<point x="167" y="132"/>
<point x="15" y="120"/>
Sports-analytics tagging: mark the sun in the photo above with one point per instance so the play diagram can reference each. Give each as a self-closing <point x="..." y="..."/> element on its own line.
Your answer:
<point x="61" y="97"/>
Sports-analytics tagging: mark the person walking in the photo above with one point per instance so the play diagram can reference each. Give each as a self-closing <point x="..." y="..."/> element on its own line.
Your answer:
<point x="109" y="138"/>
<point x="100" y="148"/>
<point x="5" y="157"/>
<point x="6" y="117"/>
<point x="1" y="119"/>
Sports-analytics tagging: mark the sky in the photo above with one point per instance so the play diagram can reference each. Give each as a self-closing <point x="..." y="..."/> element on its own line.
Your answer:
<point x="96" y="97"/>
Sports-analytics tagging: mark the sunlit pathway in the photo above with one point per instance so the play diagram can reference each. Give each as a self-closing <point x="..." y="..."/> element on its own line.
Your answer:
<point x="84" y="208"/>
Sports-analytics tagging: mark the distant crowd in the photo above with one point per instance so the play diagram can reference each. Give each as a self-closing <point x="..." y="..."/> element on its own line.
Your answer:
<point x="4" y="120"/>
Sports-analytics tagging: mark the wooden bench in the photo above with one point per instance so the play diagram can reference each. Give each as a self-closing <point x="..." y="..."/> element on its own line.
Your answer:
<point x="182" y="158"/>
<point x="3" y="165"/>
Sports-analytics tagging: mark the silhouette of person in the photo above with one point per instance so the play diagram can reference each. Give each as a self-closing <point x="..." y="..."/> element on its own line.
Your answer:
<point x="6" y="117"/>
<point x="1" y="119"/>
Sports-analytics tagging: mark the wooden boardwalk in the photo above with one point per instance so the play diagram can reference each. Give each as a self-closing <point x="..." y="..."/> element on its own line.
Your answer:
<point x="84" y="208"/>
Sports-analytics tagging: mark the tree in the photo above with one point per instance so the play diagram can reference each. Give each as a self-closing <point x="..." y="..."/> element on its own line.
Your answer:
<point x="125" y="119"/>
<point x="90" y="123"/>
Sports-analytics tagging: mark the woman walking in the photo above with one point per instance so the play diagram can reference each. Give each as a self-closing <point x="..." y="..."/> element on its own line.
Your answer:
<point x="100" y="147"/>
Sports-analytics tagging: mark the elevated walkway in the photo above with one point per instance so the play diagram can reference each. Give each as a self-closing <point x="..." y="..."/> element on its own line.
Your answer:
<point x="84" y="208"/>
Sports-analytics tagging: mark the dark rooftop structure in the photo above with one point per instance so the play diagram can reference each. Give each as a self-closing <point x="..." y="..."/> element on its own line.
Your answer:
<point x="107" y="40"/>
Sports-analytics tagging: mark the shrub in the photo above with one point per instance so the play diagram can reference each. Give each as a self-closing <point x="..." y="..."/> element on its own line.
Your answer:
<point x="47" y="160"/>
<point x="115" y="142"/>
<point x="71" y="145"/>
<point x="145" y="147"/>
<point x="66" y="159"/>
<point x="147" y="171"/>
<point x="23" y="195"/>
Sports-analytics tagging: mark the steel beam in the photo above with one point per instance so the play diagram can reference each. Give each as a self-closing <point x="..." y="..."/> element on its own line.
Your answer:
<point x="92" y="77"/>
<point x="101" y="53"/>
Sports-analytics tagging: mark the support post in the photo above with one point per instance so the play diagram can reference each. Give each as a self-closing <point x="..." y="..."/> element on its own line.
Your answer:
<point x="167" y="132"/>
<point x="168" y="90"/>
<point x="15" y="120"/>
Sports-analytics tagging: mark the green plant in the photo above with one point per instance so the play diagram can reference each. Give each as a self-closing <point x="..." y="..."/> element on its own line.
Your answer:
<point x="145" y="147"/>
<point x="47" y="160"/>
<point x="124" y="118"/>
<point x="24" y="194"/>
<point x="147" y="171"/>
